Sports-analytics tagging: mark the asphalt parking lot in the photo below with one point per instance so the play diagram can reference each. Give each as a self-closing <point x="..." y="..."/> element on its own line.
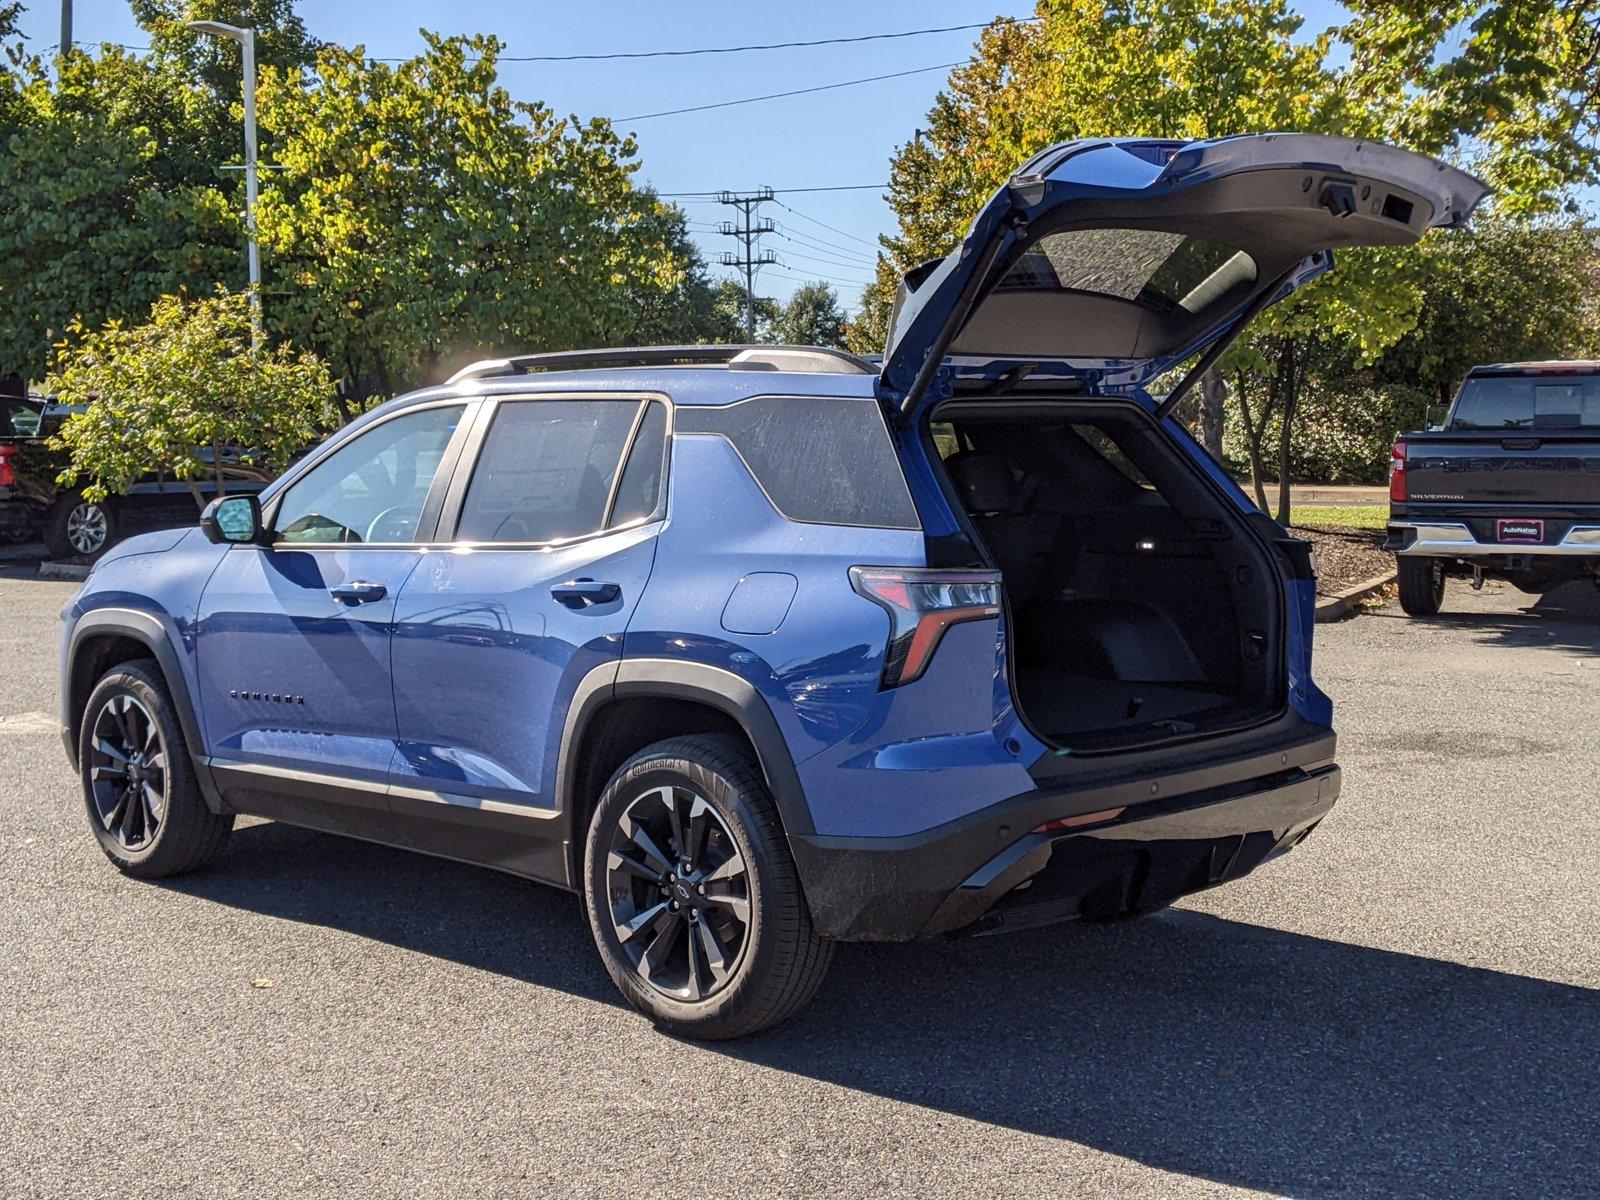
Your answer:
<point x="1407" y="1005"/>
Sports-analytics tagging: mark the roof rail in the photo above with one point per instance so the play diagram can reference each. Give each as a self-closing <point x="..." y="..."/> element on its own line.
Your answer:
<point x="812" y="359"/>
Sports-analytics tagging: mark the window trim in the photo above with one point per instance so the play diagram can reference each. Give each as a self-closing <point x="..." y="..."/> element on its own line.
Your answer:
<point x="472" y="449"/>
<point x="432" y="507"/>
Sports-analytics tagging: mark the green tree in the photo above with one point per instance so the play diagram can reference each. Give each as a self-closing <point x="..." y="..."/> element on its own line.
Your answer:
<point x="1511" y="85"/>
<point x="727" y="319"/>
<point x="811" y="318"/>
<point x="171" y="393"/>
<point x="423" y="217"/>
<point x="1505" y="290"/>
<point x="108" y="205"/>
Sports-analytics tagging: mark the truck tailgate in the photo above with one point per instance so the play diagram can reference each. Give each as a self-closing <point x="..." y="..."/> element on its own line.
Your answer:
<point x="1513" y="473"/>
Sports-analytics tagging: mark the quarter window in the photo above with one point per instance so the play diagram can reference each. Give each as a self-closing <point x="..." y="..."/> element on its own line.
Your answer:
<point x="373" y="488"/>
<point x="546" y="470"/>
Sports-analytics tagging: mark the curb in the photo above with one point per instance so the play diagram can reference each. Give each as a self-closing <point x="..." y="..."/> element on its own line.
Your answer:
<point x="1331" y="608"/>
<point x="62" y="569"/>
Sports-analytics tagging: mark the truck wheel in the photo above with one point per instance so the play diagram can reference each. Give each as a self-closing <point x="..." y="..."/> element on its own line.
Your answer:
<point x="144" y="804"/>
<point x="1421" y="585"/>
<point x="78" y="528"/>
<point x="693" y="898"/>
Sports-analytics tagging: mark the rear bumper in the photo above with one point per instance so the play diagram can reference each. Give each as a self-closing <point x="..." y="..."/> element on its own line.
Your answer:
<point x="1149" y="853"/>
<point x="1453" y="539"/>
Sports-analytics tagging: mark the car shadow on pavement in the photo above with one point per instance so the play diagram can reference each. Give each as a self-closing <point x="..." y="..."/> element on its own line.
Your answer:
<point x="1230" y="1052"/>
<point x="1566" y="618"/>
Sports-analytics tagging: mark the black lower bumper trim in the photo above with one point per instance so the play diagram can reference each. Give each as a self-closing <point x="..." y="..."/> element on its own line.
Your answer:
<point x="1147" y="856"/>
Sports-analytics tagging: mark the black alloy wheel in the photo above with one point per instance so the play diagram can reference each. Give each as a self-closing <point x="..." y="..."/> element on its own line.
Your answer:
<point x="692" y="895"/>
<point x="127" y="770"/>
<point x="139" y="786"/>
<point x="679" y="893"/>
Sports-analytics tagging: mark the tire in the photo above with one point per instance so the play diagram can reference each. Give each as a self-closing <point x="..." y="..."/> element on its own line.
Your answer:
<point x="771" y="965"/>
<point x="1421" y="585"/>
<point x="130" y="708"/>
<point x="78" y="528"/>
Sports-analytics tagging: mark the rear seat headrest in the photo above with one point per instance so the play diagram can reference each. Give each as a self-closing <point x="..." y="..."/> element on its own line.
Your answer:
<point x="985" y="482"/>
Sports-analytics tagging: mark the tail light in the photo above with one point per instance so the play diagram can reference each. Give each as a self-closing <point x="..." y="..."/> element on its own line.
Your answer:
<point x="921" y="605"/>
<point x="1397" y="473"/>
<point x="8" y="472"/>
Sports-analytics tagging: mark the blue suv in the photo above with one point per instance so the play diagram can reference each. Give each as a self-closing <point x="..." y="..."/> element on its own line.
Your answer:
<point x="764" y="648"/>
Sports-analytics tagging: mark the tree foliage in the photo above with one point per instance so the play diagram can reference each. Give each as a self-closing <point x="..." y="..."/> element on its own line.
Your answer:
<point x="424" y="217"/>
<point x="172" y="393"/>
<point x="1513" y="86"/>
<point x="812" y="317"/>
<point x="1504" y="290"/>
<point x="107" y="204"/>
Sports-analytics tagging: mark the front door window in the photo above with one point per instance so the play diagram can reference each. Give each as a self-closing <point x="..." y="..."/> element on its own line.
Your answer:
<point x="372" y="489"/>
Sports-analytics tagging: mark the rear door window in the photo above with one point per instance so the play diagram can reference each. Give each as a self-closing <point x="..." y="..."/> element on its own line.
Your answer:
<point x="546" y="470"/>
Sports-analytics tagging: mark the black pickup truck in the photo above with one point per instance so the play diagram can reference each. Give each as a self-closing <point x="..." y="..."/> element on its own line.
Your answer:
<point x="1508" y="487"/>
<point x="34" y="506"/>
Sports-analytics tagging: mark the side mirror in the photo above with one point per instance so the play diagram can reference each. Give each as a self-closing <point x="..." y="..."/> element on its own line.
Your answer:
<point x="234" y="519"/>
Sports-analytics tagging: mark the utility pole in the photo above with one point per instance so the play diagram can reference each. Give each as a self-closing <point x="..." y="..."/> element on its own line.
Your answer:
<point x="66" y="25"/>
<point x="748" y="233"/>
<point x="247" y="45"/>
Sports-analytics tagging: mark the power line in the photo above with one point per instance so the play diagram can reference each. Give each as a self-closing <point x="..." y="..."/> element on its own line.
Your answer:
<point x="824" y="224"/>
<point x="826" y="87"/>
<point x="835" y="41"/>
<point x="832" y="262"/>
<point x="711" y="197"/>
<point x="827" y="247"/>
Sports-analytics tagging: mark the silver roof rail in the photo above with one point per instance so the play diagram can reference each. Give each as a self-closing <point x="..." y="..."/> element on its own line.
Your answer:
<point x="809" y="359"/>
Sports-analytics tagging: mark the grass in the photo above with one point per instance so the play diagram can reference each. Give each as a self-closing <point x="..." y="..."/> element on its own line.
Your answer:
<point x="1357" y="516"/>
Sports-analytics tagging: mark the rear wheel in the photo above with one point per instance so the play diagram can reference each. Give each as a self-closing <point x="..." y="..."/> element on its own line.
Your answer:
<point x="144" y="804"/>
<point x="1421" y="585"/>
<point x="693" y="898"/>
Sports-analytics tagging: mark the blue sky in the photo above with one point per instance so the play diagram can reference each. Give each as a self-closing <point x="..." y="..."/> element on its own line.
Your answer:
<point x="829" y="138"/>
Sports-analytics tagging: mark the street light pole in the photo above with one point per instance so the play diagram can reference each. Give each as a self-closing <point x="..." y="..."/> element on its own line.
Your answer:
<point x="247" y="42"/>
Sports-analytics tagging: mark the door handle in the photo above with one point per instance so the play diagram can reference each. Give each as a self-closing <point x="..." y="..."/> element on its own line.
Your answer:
<point x="585" y="593"/>
<point x="358" y="591"/>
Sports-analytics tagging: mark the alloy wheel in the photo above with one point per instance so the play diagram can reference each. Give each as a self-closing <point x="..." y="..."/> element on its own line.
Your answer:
<point x="679" y="893"/>
<point x="87" y="526"/>
<point x="128" y="772"/>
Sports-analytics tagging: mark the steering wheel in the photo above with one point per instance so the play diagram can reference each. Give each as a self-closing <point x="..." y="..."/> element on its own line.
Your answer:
<point x="393" y="524"/>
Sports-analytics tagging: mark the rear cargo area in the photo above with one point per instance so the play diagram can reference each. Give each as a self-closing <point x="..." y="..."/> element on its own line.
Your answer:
<point x="1140" y="607"/>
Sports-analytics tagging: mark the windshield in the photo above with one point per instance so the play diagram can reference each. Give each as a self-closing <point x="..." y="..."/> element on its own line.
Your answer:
<point x="1528" y="402"/>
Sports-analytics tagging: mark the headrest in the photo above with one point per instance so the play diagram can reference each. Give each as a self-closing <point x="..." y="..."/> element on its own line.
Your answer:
<point x="984" y="482"/>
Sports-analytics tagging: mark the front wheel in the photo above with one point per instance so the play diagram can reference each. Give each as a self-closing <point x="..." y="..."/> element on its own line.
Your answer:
<point x="144" y="803"/>
<point x="1421" y="585"/>
<point x="693" y="898"/>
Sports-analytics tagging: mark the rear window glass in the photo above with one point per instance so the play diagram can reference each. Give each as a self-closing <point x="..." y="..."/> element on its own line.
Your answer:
<point x="1163" y="271"/>
<point x="824" y="461"/>
<point x="1528" y="402"/>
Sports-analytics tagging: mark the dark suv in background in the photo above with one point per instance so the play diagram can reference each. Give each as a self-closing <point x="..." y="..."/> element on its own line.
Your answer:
<point x="35" y="507"/>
